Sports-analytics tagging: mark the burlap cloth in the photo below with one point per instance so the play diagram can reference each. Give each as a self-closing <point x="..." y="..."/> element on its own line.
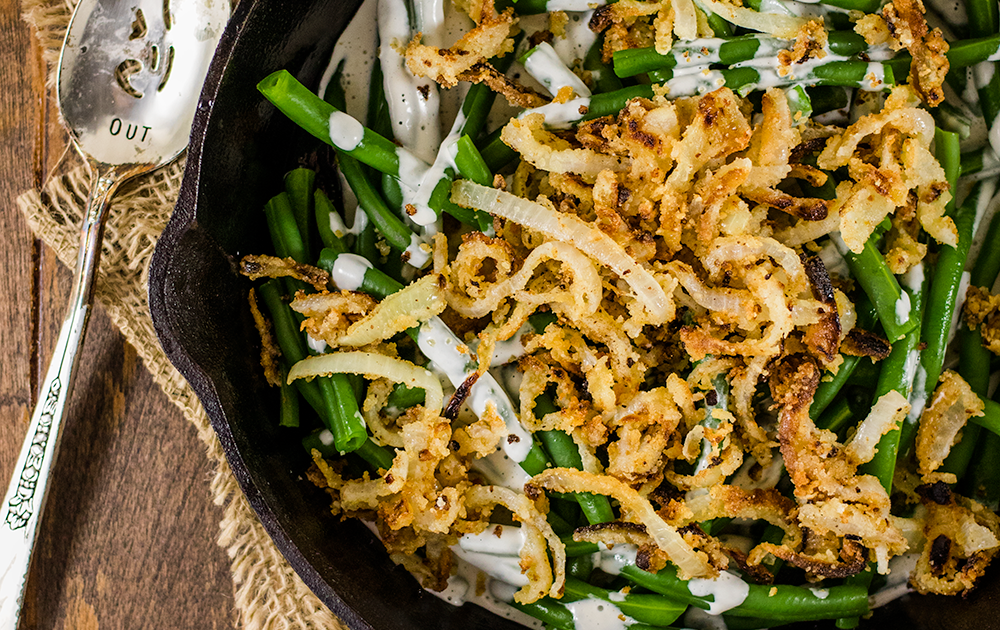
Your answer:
<point x="268" y="593"/>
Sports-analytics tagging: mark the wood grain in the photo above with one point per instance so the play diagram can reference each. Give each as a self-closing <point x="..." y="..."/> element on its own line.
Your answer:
<point x="128" y="539"/>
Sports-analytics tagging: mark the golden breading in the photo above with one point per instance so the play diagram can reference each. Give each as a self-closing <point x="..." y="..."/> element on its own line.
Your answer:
<point x="690" y="562"/>
<point x="263" y="266"/>
<point x="898" y="162"/>
<point x="949" y="408"/>
<point x="490" y="38"/>
<point x="269" y="350"/>
<point x="982" y="311"/>
<point x="516" y="94"/>
<point x="908" y="29"/>
<point x="329" y="315"/>
<point x="961" y="540"/>
<point x="832" y="497"/>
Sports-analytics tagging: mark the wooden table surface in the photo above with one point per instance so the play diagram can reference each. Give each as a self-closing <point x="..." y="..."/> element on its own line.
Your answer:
<point x="128" y="538"/>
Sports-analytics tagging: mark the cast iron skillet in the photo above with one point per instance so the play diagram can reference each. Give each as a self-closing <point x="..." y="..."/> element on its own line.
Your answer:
<point x="239" y="149"/>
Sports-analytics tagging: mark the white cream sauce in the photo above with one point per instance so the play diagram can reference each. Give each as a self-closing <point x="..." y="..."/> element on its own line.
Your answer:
<point x="596" y="614"/>
<point x="455" y="360"/>
<point x="317" y="346"/>
<point x="548" y="69"/>
<point x="346" y="132"/>
<point x="903" y="308"/>
<point x="414" y="105"/>
<point x="613" y="560"/>
<point x="349" y="271"/>
<point x="727" y="591"/>
<point x="498" y="540"/>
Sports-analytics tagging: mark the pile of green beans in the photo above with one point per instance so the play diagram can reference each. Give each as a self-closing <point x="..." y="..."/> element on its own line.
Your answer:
<point x="380" y="173"/>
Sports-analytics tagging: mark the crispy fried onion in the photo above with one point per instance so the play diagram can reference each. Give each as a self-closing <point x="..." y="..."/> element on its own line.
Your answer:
<point x="373" y="365"/>
<point x="852" y="559"/>
<point x="723" y="458"/>
<point x="383" y="428"/>
<point x="908" y="28"/>
<point x="724" y="304"/>
<point x="553" y="273"/>
<point x="777" y="24"/>
<point x="538" y="376"/>
<point x="269" y="350"/>
<point x="982" y="311"/>
<point x="899" y="161"/>
<point x="643" y="428"/>
<point x="951" y="406"/>
<point x="264" y="266"/>
<point x="570" y="228"/>
<point x="329" y="315"/>
<point x="833" y="498"/>
<point x="547" y="151"/>
<point x="690" y="562"/>
<point x="962" y="539"/>
<point x="728" y="259"/>
<point x="534" y="560"/>
<point x="490" y="38"/>
<point x="415" y="303"/>
<point x="732" y="501"/>
<point x="886" y="414"/>
<point x="770" y="151"/>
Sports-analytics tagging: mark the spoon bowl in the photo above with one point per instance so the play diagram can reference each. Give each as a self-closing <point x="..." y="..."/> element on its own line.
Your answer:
<point x="129" y="78"/>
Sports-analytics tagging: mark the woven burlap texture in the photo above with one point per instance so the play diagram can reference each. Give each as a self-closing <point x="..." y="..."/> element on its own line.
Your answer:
<point x="268" y="593"/>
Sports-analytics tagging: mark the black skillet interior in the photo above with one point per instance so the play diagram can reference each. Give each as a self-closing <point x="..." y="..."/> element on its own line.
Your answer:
<point x="239" y="148"/>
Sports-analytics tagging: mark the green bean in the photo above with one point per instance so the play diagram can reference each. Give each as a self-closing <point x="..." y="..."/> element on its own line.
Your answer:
<point x="378" y="118"/>
<point x="779" y="602"/>
<point x="837" y="415"/>
<point x="366" y="244"/>
<point x="537" y="460"/>
<point x="523" y="7"/>
<point x="282" y="226"/>
<point x="983" y="481"/>
<point x="983" y="17"/>
<point x="828" y="390"/>
<point x="334" y="403"/>
<point x="471" y="164"/>
<point x="947" y="276"/>
<point x="987" y="267"/>
<point x="575" y="548"/>
<point x="870" y="270"/>
<point x="550" y="611"/>
<point x="580" y="566"/>
<point x="379" y="457"/>
<point x="313" y="114"/>
<point x="566" y="454"/>
<point x="286" y="332"/>
<point x="370" y="201"/>
<point x="603" y="77"/>
<point x="972" y="162"/>
<point x="654" y="610"/>
<point x="300" y="184"/>
<point x="990" y="419"/>
<point x="495" y="153"/>
<point x="702" y="52"/>
<point x="610" y="103"/>
<point x="403" y="397"/>
<point x="326" y="217"/>
<point x="897" y="374"/>
<point x="288" y="414"/>
<point x="343" y="416"/>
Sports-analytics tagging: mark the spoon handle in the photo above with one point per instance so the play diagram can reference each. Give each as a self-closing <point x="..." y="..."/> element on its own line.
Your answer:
<point x="21" y="510"/>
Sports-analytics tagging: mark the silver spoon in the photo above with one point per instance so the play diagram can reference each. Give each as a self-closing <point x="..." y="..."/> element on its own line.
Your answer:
<point x="130" y="74"/>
